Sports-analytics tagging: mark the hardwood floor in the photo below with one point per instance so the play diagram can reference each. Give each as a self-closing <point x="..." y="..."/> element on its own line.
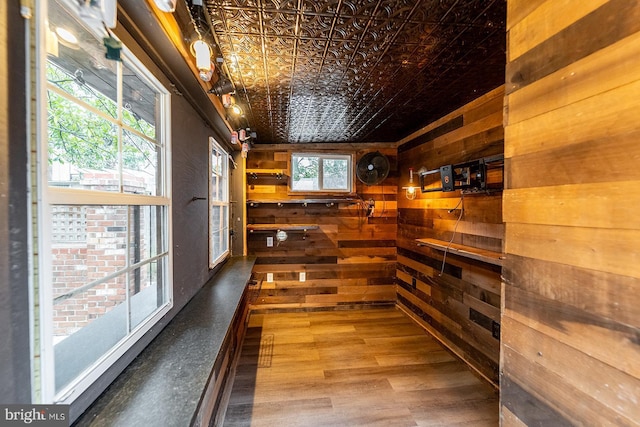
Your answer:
<point x="352" y="368"/>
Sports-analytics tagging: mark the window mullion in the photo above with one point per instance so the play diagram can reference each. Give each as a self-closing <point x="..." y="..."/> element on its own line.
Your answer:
<point x="320" y="172"/>
<point x="120" y="131"/>
<point x="127" y="275"/>
<point x="139" y="134"/>
<point x="81" y="103"/>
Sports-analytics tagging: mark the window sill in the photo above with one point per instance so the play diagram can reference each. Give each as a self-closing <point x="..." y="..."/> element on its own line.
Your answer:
<point x="179" y="378"/>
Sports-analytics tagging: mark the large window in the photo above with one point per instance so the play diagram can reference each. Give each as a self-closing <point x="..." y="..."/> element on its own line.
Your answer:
<point x="105" y="272"/>
<point x="321" y="172"/>
<point x="218" y="203"/>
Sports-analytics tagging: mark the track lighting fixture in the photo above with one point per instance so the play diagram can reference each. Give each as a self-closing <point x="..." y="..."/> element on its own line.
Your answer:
<point x="227" y="100"/>
<point x="205" y="75"/>
<point x="222" y="86"/>
<point x="202" y="51"/>
<point x="168" y="6"/>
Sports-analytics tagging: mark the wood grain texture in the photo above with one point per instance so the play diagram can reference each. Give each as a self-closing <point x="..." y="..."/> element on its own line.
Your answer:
<point x="519" y="9"/>
<point x="549" y="19"/>
<point x="608" y="385"/>
<point x="565" y="205"/>
<point x="608" y="114"/>
<point x="587" y="332"/>
<point x="605" y="70"/>
<point x="608" y="295"/>
<point x="613" y="21"/>
<point x="359" y="367"/>
<point x="459" y="296"/>
<point x="527" y="402"/>
<point x="609" y="250"/>
<point x="570" y="309"/>
<point x="579" y="163"/>
<point x="348" y="257"/>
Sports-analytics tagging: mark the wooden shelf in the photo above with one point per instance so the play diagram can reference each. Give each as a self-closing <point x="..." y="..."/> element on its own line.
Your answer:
<point x="284" y="227"/>
<point x="483" y="255"/>
<point x="262" y="172"/>
<point x="328" y="202"/>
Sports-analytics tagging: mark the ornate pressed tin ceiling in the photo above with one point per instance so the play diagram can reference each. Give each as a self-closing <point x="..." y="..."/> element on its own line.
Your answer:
<point x="357" y="70"/>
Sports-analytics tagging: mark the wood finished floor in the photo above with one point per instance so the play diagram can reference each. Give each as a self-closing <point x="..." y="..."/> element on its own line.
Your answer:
<point x="352" y="368"/>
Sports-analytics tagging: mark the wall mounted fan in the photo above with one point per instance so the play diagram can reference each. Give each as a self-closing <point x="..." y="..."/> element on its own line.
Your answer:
<point x="372" y="168"/>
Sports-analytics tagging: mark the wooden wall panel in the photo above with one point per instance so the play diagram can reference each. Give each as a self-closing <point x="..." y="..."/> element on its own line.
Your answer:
<point x="349" y="259"/>
<point x="458" y="301"/>
<point x="571" y="316"/>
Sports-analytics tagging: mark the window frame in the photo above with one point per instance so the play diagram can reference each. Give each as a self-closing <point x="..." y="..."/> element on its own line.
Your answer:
<point x="49" y="196"/>
<point x="322" y="155"/>
<point x="223" y="229"/>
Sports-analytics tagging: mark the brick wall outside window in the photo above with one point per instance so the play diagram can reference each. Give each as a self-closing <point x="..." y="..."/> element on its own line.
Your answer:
<point x="90" y="242"/>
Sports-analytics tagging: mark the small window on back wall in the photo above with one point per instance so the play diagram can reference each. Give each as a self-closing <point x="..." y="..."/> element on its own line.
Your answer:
<point x="328" y="173"/>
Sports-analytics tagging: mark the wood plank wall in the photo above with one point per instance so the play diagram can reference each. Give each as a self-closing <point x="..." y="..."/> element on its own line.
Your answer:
<point x="461" y="307"/>
<point x="349" y="260"/>
<point x="570" y="326"/>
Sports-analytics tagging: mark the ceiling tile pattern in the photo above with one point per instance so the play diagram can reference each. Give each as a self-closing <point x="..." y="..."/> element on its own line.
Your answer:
<point x="356" y="70"/>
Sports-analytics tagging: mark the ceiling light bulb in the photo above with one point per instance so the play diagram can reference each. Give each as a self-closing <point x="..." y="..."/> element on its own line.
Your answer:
<point x="410" y="193"/>
<point x="236" y="110"/>
<point x="202" y="52"/>
<point x="66" y="35"/>
<point x="166" y="5"/>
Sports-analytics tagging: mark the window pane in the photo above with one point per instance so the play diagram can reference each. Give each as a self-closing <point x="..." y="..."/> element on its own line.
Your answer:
<point x="335" y="174"/>
<point x="146" y="224"/>
<point x="146" y="288"/>
<point x="216" y="188"/>
<point x="224" y="230"/>
<point x="216" y="245"/>
<point x="219" y="176"/>
<point x="86" y="326"/>
<point x="62" y="73"/>
<point x="216" y="217"/>
<point x="140" y="102"/>
<point x="305" y="173"/>
<point x="140" y="159"/>
<point x="83" y="147"/>
<point x="90" y="244"/>
<point x="218" y="203"/>
<point x="321" y="172"/>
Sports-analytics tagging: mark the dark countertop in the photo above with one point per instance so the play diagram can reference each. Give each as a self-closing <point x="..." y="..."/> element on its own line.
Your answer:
<point x="163" y="386"/>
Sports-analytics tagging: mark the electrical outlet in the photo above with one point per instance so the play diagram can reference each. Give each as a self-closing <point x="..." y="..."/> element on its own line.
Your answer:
<point x="269" y="277"/>
<point x="371" y="207"/>
<point x="269" y="241"/>
<point x="303" y="276"/>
